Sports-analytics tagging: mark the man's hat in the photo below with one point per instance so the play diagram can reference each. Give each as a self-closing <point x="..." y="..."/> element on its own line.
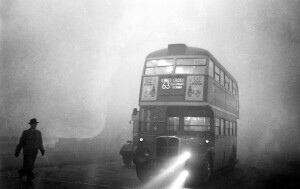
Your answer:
<point x="33" y="121"/>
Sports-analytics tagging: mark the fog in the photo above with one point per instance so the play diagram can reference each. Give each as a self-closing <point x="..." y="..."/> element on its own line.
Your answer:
<point x="76" y="65"/>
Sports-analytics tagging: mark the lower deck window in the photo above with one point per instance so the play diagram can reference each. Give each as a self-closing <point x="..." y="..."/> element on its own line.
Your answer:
<point x="145" y="127"/>
<point x="172" y="123"/>
<point x="196" y="124"/>
<point x="230" y="128"/>
<point x="217" y="126"/>
<point x="226" y="128"/>
<point x="222" y="126"/>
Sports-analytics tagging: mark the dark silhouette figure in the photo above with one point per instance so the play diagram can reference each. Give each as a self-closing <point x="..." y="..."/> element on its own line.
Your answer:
<point x="30" y="141"/>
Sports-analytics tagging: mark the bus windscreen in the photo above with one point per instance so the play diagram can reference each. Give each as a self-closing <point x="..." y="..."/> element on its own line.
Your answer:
<point x="190" y="66"/>
<point x="183" y="66"/>
<point x="159" y="67"/>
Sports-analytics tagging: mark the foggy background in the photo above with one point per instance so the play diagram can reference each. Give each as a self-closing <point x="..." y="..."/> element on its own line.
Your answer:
<point x="76" y="65"/>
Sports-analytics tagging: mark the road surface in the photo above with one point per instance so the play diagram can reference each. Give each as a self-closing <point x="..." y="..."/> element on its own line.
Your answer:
<point x="112" y="174"/>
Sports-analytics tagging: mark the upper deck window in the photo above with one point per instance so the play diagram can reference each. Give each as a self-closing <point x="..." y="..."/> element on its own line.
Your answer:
<point x="190" y="66"/>
<point x="211" y="68"/>
<point x="234" y="88"/>
<point x="217" y="74"/>
<point x="222" y="78"/>
<point x="159" y="67"/>
<point x="230" y="85"/>
<point x="226" y="82"/>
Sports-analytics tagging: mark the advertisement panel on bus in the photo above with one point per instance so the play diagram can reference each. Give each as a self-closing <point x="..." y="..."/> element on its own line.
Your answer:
<point x="186" y="88"/>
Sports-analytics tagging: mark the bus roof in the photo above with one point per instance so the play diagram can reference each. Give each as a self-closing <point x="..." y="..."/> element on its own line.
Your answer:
<point x="179" y="50"/>
<point x="184" y="50"/>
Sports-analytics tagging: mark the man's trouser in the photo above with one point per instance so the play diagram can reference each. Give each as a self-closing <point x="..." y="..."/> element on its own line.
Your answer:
<point x="29" y="156"/>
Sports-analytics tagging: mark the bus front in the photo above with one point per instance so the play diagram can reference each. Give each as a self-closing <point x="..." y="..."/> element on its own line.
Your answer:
<point x="175" y="123"/>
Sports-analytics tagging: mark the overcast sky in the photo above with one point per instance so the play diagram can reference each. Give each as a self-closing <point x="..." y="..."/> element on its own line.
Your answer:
<point x="76" y="65"/>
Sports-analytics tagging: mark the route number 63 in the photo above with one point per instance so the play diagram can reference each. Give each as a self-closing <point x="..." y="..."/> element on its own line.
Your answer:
<point x="165" y="85"/>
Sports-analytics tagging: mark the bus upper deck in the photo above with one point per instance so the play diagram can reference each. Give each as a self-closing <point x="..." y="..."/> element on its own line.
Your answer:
<point x="188" y="76"/>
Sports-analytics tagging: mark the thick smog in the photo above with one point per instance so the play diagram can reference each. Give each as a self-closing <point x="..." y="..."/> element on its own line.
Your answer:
<point x="149" y="94"/>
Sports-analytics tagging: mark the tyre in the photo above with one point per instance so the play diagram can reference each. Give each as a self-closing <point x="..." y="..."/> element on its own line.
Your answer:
<point x="200" y="175"/>
<point x="127" y="159"/>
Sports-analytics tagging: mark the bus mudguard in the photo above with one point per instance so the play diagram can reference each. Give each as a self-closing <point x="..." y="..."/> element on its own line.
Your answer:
<point x="127" y="149"/>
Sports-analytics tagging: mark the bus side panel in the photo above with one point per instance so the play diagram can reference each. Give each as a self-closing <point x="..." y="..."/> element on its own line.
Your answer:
<point x="218" y="96"/>
<point x="228" y="150"/>
<point x="220" y="144"/>
<point x="223" y="143"/>
<point x="223" y="150"/>
<point x="215" y="94"/>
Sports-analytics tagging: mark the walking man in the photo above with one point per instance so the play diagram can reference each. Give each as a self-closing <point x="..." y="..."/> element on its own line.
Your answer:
<point x="30" y="141"/>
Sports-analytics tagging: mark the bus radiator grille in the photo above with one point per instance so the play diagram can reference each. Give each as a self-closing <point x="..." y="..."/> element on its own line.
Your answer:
<point x="167" y="148"/>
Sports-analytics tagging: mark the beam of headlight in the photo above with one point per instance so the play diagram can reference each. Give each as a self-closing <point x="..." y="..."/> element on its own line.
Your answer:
<point x="179" y="182"/>
<point x="185" y="156"/>
<point x="164" y="175"/>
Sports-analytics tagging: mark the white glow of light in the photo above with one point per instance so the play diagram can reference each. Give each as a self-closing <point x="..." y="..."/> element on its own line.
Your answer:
<point x="169" y="69"/>
<point x="207" y="141"/>
<point x="164" y="63"/>
<point x="141" y="139"/>
<point x="185" y="156"/>
<point x="179" y="182"/>
<point x="175" y="166"/>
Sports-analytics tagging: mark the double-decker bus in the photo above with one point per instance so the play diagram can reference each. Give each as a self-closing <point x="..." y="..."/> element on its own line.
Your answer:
<point x="188" y="107"/>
